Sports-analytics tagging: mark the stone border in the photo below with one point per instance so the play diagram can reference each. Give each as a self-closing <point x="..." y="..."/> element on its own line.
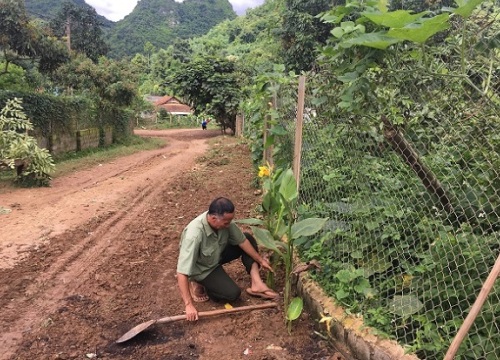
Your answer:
<point x="347" y="332"/>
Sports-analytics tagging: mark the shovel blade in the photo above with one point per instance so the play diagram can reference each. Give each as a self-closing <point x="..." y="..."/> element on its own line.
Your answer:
<point x="135" y="330"/>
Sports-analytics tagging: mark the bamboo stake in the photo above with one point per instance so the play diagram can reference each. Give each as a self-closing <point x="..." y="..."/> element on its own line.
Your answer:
<point x="478" y="304"/>
<point x="297" y="155"/>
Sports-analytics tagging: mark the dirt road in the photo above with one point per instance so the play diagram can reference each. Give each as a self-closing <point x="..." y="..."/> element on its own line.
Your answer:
<point x="85" y="260"/>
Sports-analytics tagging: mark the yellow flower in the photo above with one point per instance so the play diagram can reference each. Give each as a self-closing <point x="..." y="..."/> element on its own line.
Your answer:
<point x="264" y="171"/>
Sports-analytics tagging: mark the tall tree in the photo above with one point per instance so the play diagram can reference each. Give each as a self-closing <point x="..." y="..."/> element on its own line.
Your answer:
<point x="110" y="83"/>
<point x="210" y="85"/>
<point x="303" y="32"/>
<point x="82" y="28"/>
<point x="23" y="41"/>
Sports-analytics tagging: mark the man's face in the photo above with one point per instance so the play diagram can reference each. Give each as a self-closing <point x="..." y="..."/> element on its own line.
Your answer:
<point x="218" y="222"/>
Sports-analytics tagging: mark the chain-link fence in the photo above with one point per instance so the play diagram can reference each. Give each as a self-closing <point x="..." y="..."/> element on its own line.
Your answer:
<point x="412" y="190"/>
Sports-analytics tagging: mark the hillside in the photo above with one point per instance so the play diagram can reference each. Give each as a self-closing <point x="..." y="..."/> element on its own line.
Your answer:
<point x="253" y="39"/>
<point x="47" y="9"/>
<point x="161" y="22"/>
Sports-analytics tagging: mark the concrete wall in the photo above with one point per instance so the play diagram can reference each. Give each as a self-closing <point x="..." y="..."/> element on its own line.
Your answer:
<point x="88" y="138"/>
<point x="108" y="135"/>
<point x="80" y="140"/>
<point x="62" y="143"/>
<point x="347" y="332"/>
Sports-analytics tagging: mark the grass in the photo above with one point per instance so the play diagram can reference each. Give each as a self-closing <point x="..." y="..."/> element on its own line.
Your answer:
<point x="73" y="161"/>
<point x="167" y="124"/>
<point x="176" y="123"/>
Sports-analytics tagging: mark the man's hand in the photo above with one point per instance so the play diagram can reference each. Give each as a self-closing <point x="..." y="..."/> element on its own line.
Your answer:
<point x="191" y="313"/>
<point x="265" y="264"/>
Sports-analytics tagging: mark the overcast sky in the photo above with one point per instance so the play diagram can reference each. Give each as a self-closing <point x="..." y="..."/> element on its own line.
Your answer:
<point x="117" y="9"/>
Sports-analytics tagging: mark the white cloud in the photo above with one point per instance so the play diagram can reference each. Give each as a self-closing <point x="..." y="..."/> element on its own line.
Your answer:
<point x="113" y="9"/>
<point x="117" y="9"/>
<point x="240" y="6"/>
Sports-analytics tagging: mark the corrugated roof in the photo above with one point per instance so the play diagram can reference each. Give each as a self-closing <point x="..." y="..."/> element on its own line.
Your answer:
<point x="176" y="108"/>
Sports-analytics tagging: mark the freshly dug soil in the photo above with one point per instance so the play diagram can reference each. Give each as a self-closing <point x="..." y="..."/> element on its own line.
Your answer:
<point x="84" y="261"/>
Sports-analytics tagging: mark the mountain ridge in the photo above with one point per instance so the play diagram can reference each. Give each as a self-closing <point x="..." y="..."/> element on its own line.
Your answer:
<point x="160" y="22"/>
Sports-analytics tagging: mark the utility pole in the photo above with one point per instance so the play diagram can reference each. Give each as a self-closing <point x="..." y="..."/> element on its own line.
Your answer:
<point x="68" y="33"/>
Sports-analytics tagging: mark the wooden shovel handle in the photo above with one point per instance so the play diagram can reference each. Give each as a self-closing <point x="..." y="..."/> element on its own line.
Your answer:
<point x="201" y="314"/>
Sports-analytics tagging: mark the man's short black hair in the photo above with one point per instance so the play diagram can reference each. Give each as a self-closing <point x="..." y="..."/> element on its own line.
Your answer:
<point x="221" y="206"/>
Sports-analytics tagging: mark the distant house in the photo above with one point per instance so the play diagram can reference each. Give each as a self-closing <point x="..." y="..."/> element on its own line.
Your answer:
<point x="171" y="104"/>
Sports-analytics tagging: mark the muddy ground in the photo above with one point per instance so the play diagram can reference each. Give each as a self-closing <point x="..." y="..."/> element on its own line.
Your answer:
<point x="95" y="254"/>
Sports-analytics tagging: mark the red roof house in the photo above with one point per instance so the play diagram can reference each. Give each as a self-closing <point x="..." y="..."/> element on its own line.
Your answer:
<point x="173" y="105"/>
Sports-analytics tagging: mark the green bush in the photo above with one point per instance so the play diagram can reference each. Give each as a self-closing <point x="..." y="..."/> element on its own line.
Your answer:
<point x="20" y="151"/>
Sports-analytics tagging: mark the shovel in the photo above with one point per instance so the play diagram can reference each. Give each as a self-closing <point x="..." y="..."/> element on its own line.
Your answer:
<point x="141" y="327"/>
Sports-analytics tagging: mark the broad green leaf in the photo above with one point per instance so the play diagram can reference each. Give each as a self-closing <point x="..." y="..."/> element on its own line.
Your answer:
<point x="375" y="263"/>
<point x="307" y="227"/>
<point x="267" y="201"/>
<point x="422" y="31"/>
<point x="250" y="221"/>
<point x="394" y="19"/>
<point x="372" y="225"/>
<point x="269" y="140"/>
<point x="356" y="254"/>
<point x="348" y="77"/>
<point x="294" y="309"/>
<point x="383" y="5"/>
<point x="362" y="286"/>
<point x="337" y="32"/>
<point x="347" y="25"/>
<point x="378" y="40"/>
<point x="319" y="101"/>
<point x="265" y="238"/>
<point x="301" y="241"/>
<point x="288" y="187"/>
<point x="283" y="228"/>
<point x="278" y="130"/>
<point x="341" y="294"/>
<point x="466" y="7"/>
<point x="345" y="276"/>
<point x="404" y="305"/>
<point x="344" y="105"/>
<point x="341" y="207"/>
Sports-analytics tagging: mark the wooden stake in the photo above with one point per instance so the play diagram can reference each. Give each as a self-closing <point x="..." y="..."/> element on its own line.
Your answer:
<point x="298" y="129"/>
<point x="478" y="304"/>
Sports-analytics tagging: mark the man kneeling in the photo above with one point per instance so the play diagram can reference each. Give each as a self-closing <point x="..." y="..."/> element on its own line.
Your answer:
<point x="208" y="242"/>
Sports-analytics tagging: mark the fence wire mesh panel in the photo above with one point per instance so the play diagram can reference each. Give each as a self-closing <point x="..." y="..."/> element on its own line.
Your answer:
<point x="408" y="172"/>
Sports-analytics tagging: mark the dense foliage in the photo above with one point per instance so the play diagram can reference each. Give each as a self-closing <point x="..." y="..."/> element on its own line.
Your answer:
<point x="109" y="84"/>
<point x="303" y="33"/>
<point x="400" y="150"/>
<point x="82" y="28"/>
<point x="19" y="150"/>
<point x="210" y="85"/>
<point x="162" y="22"/>
<point x="48" y="9"/>
<point x="23" y="41"/>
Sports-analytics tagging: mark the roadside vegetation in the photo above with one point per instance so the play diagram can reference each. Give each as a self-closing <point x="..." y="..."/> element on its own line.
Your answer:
<point x="68" y="162"/>
<point x="73" y="161"/>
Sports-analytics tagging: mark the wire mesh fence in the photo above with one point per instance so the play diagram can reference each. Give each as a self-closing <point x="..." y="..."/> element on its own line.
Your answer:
<point x="414" y="227"/>
<point x="411" y="190"/>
